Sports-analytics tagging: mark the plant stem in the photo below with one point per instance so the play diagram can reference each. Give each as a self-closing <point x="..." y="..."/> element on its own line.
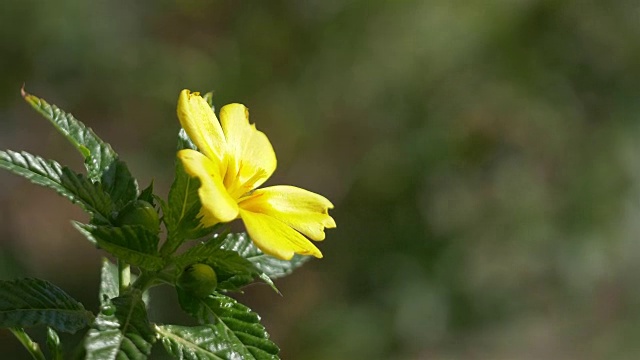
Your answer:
<point x="32" y="347"/>
<point x="144" y="281"/>
<point x="53" y="343"/>
<point x="173" y="243"/>
<point x="124" y="276"/>
<point x="148" y="280"/>
<point x="169" y="246"/>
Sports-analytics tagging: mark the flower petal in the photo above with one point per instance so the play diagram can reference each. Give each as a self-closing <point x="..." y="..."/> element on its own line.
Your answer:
<point x="276" y="238"/>
<point x="300" y="209"/>
<point x="217" y="204"/>
<point x="201" y="124"/>
<point x="253" y="159"/>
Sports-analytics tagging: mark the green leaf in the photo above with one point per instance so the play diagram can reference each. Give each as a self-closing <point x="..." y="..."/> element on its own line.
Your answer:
<point x="238" y="331"/>
<point x="192" y="343"/>
<point x="184" y="142"/>
<point x="182" y="212"/>
<point x="100" y="160"/>
<point x="31" y="302"/>
<point x="199" y="252"/>
<point x="121" y="331"/>
<point x="232" y="269"/>
<point x="98" y="155"/>
<point x="133" y="237"/>
<point x="65" y="182"/>
<point x="54" y="345"/>
<point x="108" y="282"/>
<point x="198" y="343"/>
<point x="109" y="288"/>
<point x="270" y="266"/>
<point x="222" y="259"/>
<point x="208" y="97"/>
<point x="34" y="168"/>
<point x="133" y="244"/>
<point x="119" y="183"/>
<point x="147" y="194"/>
<point x="90" y="195"/>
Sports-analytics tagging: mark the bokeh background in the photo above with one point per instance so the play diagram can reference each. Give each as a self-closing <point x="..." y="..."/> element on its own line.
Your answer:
<point x="482" y="157"/>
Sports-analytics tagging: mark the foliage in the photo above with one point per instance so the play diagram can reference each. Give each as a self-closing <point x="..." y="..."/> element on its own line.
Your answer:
<point x="484" y="154"/>
<point x="125" y="224"/>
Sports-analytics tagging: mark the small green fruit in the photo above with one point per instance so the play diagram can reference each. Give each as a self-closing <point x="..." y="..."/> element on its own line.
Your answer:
<point x="198" y="279"/>
<point x="139" y="212"/>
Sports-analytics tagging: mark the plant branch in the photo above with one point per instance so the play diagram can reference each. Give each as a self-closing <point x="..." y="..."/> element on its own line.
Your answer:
<point x="124" y="276"/>
<point x="32" y="347"/>
<point x="147" y="280"/>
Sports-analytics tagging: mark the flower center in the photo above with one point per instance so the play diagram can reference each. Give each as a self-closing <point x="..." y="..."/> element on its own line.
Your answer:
<point x="241" y="179"/>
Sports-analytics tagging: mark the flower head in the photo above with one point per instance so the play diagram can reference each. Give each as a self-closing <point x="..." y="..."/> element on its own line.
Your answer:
<point x="232" y="161"/>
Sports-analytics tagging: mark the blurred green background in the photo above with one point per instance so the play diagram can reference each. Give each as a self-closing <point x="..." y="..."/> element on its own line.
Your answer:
<point x="482" y="157"/>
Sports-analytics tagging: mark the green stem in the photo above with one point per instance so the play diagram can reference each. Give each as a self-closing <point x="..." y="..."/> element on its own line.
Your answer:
<point x="166" y="278"/>
<point x="169" y="246"/>
<point x="147" y="280"/>
<point x="173" y="243"/>
<point x="53" y="343"/>
<point x="124" y="276"/>
<point x="144" y="281"/>
<point x="32" y="347"/>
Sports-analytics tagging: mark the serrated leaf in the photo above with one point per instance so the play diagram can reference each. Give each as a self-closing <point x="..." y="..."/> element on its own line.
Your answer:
<point x="208" y="97"/>
<point x="121" y="331"/>
<point x="182" y="211"/>
<point x="90" y="194"/>
<point x="98" y="155"/>
<point x="118" y="182"/>
<point x="227" y="260"/>
<point x="184" y="142"/>
<point x="104" y="340"/>
<point x="233" y="270"/>
<point x="183" y="214"/>
<point x="34" y="168"/>
<point x="238" y="329"/>
<point x="54" y="345"/>
<point x="133" y="244"/>
<point x="65" y="182"/>
<point x="133" y="237"/>
<point x="191" y="343"/>
<point x="109" y="288"/>
<point x="147" y="194"/>
<point x="31" y="302"/>
<point x="100" y="160"/>
<point x="196" y="343"/>
<point x="270" y="266"/>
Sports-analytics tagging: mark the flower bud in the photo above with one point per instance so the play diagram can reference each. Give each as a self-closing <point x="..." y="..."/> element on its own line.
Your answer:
<point x="108" y="309"/>
<point x="139" y="212"/>
<point x="198" y="279"/>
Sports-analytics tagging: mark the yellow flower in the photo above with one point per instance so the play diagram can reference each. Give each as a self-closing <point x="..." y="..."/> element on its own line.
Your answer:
<point x="234" y="158"/>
